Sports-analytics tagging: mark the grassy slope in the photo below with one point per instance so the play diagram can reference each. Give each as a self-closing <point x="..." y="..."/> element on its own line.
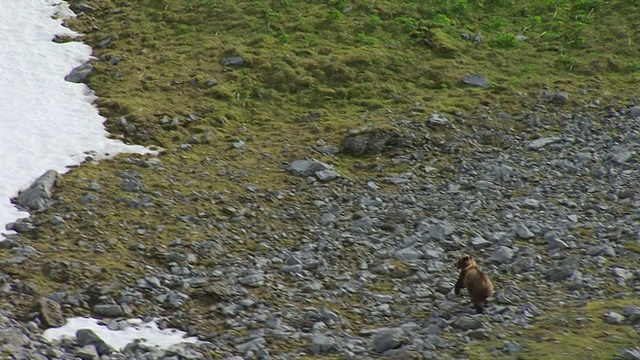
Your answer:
<point x="354" y="67"/>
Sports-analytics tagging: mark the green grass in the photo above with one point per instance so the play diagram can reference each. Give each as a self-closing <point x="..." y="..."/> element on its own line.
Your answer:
<point x="570" y="333"/>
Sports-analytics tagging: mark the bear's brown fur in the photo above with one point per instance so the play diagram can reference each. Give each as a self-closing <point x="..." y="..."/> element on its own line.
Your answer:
<point x="475" y="281"/>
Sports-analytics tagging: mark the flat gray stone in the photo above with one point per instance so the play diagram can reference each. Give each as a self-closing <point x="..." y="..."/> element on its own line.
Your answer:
<point x="542" y="142"/>
<point x="477" y="80"/>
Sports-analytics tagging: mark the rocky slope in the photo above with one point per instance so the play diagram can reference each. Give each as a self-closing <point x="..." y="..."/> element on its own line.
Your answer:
<point x="270" y="247"/>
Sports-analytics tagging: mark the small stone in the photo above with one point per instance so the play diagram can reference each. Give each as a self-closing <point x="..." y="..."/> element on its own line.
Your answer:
<point x="634" y="111"/>
<point x="562" y="97"/>
<point x="478" y="242"/>
<point x="322" y="345"/>
<point x="386" y="339"/>
<point x="479" y="334"/>
<point x="51" y="312"/>
<point x="503" y="255"/>
<point x="108" y="310"/>
<point x="513" y="348"/>
<point x="253" y="280"/>
<point x="233" y="61"/>
<point x="80" y="74"/>
<point x="555" y="243"/>
<point x="613" y="318"/>
<point x="542" y="142"/>
<point x="477" y="80"/>
<point x="467" y="323"/>
<point x="87" y="352"/>
<point x="307" y="167"/>
<point x="438" y="119"/>
<point x="632" y="313"/>
<point x="251" y="345"/>
<point x="523" y="231"/>
<point x="327" y="175"/>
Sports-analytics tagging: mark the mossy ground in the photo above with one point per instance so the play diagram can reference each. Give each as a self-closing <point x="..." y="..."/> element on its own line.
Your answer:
<point x="570" y="333"/>
<point x="314" y="70"/>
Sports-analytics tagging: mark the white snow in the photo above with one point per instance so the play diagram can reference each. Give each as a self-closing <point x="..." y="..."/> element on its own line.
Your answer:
<point x="118" y="339"/>
<point x="45" y="122"/>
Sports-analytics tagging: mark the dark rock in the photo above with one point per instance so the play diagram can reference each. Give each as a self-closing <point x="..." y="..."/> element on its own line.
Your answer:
<point x="88" y="337"/>
<point x="38" y="195"/>
<point x="233" y="61"/>
<point x="51" y="312"/>
<point x="374" y="141"/>
<point x="80" y="74"/>
<point x="108" y="310"/>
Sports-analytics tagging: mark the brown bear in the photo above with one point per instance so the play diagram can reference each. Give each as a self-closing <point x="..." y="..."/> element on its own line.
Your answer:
<point x="475" y="281"/>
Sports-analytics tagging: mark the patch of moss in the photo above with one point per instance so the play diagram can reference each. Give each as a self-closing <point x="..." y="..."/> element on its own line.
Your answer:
<point x="569" y="333"/>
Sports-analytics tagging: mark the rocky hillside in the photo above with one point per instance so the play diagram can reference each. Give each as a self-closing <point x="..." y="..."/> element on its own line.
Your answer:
<point x="324" y="166"/>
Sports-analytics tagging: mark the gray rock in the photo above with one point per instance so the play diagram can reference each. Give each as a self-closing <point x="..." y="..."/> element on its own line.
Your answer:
<point x="253" y="280"/>
<point x="251" y="345"/>
<point x="108" y="310"/>
<point x="634" y="111"/>
<point x="478" y="242"/>
<point x="631" y="354"/>
<point x="233" y="61"/>
<point x="88" y="337"/>
<point x="504" y="255"/>
<point x="440" y="231"/>
<point x="438" y="119"/>
<point x="327" y="149"/>
<point x="513" y="348"/>
<point x="87" y="352"/>
<point x="327" y="175"/>
<point x="621" y="156"/>
<point x="386" y="339"/>
<point x="321" y="345"/>
<point x="632" y="313"/>
<point x="555" y="243"/>
<point x="477" y="80"/>
<point x="307" y="167"/>
<point x="479" y="334"/>
<point x="51" y="312"/>
<point x="542" y="142"/>
<point x="38" y="195"/>
<point x="622" y="274"/>
<point x="562" y="97"/>
<point x="408" y="254"/>
<point x="467" y="323"/>
<point x="328" y="218"/>
<point x="523" y="231"/>
<point x="80" y="74"/>
<point x="613" y="318"/>
<point x="560" y="273"/>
